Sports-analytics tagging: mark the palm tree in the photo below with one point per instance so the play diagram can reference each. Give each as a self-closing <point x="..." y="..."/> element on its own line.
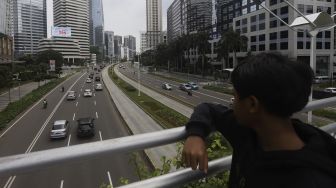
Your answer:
<point x="232" y="41"/>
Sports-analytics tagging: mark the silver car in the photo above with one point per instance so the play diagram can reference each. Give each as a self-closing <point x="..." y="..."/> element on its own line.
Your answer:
<point x="71" y="95"/>
<point x="60" y="129"/>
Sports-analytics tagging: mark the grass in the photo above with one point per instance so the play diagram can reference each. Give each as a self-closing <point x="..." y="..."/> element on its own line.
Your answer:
<point x="325" y="113"/>
<point x="219" y="89"/>
<point x="165" y="116"/>
<point x="170" y="78"/>
<point x="15" y="108"/>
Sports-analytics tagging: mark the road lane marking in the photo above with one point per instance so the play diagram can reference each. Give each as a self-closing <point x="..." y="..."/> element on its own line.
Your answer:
<point x="10" y="182"/>
<point x="78" y="95"/>
<point x="94" y="94"/>
<point x="73" y="118"/>
<point x="37" y="103"/>
<point x="69" y="140"/>
<point x="76" y="104"/>
<point x="109" y="177"/>
<point x="183" y="96"/>
<point x="100" y="135"/>
<point x="61" y="186"/>
<point x="95" y="103"/>
<point x="97" y="115"/>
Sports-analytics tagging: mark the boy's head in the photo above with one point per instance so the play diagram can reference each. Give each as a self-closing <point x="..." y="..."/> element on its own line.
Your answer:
<point x="281" y="86"/>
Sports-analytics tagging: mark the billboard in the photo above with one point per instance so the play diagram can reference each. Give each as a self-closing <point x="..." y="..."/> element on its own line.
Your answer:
<point x="61" y="31"/>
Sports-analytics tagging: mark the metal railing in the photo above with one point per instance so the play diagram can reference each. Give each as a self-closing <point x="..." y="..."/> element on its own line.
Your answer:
<point x="23" y="163"/>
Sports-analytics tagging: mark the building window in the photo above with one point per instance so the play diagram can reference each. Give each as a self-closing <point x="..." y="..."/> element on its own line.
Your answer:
<point x="285" y="20"/>
<point x="301" y="8"/>
<point x="238" y="23"/>
<point x="253" y="19"/>
<point x="283" y="45"/>
<point x="300" y="34"/>
<point x="299" y="45"/>
<point x="309" y="9"/>
<point x="262" y="26"/>
<point x="244" y="30"/>
<point x="307" y="45"/>
<point x="327" y="34"/>
<point x="284" y="34"/>
<point x="319" y="45"/>
<point x="284" y="10"/>
<point x="244" y="2"/>
<point x="262" y="37"/>
<point x="262" y="47"/>
<point x="244" y="11"/>
<point x="273" y="2"/>
<point x="327" y="45"/>
<point x="253" y="28"/>
<point x="273" y="46"/>
<point x="253" y="48"/>
<point x="275" y="11"/>
<point x="253" y="8"/>
<point x="273" y="36"/>
<point x="319" y="35"/>
<point x="273" y="23"/>
<point x="253" y="38"/>
<point x="244" y="21"/>
<point x="261" y="16"/>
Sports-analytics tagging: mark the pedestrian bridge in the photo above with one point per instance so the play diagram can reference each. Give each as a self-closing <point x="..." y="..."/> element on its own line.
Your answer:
<point x="25" y="163"/>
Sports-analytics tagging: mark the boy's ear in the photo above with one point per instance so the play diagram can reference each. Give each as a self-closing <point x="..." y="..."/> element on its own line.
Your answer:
<point x="254" y="104"/>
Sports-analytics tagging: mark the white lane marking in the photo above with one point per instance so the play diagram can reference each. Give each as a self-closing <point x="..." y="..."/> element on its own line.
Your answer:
<point x="182" y="96"/>
<point x="78" y="95"/>
<point x="27" y="112"/>
<point x="69" y="140"/>
<point x="73" y="117"/>
<point x="97" y="115"/>
<point x="94" y="94"/>
<point x="76" y="104"/>
<point x="100" y="135"/>
<point x="9" y="181"/>
<point x="61" y="186"/>
<point x="109" y="177"/>
<point x="95" y="103"/>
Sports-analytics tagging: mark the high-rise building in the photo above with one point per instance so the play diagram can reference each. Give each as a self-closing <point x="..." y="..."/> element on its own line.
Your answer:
<point x="174" y="20"/>
<point x="109" y="44"/>
<point x="130" y="43"/>
<point x="266" y="33"/>
<point x="74" y="14"/>
<point x="29" y="25"/>
<point x="117" y="46"/>
<point x="143" y="41"/>
<point x="154" y="22"/>
<point x="6" y="41"/>
<point x="97" y="24"/>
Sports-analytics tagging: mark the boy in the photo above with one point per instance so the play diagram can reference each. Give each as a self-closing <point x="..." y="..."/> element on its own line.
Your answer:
<point x="269" y="148"/>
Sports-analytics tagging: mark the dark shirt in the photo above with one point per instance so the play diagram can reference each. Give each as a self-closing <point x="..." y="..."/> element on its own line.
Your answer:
<point x="310" y="167"/>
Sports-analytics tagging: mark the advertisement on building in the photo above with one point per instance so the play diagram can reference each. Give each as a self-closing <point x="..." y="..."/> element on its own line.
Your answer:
<point x="52" y="64"/>
<point x="61" y="31"/>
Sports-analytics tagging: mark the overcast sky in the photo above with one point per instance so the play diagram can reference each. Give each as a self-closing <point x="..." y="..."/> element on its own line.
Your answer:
<point x="124" y="17"/>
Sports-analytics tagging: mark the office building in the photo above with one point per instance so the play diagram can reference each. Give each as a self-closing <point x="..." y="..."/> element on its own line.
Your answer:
<point x="109" y="44"/>
<point x="130" y="44"/>
<point x="143" y="41"/>
<point x="154" y="22"/>
<point x="174" y="20"/>
<point x="266" y="33"/>
<point x="74" y="14"/>
<point x="97" y="25"/>
<point x="117" y="46"/>
<point x="29" y="25"/>
<point x="6" y="40"/>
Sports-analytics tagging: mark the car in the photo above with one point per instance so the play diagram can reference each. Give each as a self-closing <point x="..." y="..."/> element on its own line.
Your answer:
<point x="99" y="87"/>
<point x="87" y="93"/>
<point x="88" y="80"/>
<point x="91" y="75"/>
<point x="86" y="127"/>
<point x="71" y="95"/>
<point x="97" y="78"/>
<point x="60" y="129"/>
<point x="166" y="86"/>
<point x="330" y="90"/>
<point x="193" y="85"/>
<point x="231" y="102"/>
<point x="185" y="87"/>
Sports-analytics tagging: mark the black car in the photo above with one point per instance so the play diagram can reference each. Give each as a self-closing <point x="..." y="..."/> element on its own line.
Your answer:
<point x="97" y="78"/>
<point x="86" y="127"/>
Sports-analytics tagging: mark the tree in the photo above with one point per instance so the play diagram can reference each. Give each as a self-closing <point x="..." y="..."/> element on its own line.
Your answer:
<point x="232" y="41"/>
<point x="42" y="63"/>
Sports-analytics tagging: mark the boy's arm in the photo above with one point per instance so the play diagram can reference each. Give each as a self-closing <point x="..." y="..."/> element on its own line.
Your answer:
<point x="206" y="118"/>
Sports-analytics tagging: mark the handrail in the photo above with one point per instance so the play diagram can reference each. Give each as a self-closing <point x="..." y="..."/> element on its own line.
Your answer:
<point x="18" y="164"/>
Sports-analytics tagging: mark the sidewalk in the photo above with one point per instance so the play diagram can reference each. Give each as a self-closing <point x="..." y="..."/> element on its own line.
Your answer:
<point x="139" y="122"/>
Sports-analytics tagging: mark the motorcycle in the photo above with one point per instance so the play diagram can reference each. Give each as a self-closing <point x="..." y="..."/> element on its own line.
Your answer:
<point x="45" y="104"/>
<point x="189" y="93"/>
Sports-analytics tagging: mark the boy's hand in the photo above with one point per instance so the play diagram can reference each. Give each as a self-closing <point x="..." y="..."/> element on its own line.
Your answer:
<point x="194" y="153"/>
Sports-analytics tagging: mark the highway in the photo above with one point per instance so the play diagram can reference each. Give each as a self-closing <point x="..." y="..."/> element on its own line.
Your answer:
<point x="30" y="132"/>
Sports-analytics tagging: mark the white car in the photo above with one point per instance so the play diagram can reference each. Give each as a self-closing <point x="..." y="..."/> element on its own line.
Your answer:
<point x="60" y="129"/>
<point x="88" y="80"/>
<point x="71" y="95"/>
<point x="330" y="90"/>
<point x="87" y="93"/>
<point x="99" y="87"/>
<point x="166" y="86"/>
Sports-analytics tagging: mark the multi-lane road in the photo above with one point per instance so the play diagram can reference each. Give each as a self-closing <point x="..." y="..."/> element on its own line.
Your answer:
<point x="30" y="132"/>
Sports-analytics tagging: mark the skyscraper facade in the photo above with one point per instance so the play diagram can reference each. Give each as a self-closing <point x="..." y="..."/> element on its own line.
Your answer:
<point x="109" y="44"/>
<point x="29" y="25"/>
<point x="143" y="41"/>
<point x="154" y="22"/>
<point x="97" y="24"/>
<point x="130" y="43"/>
<point x="74" y="14"/>
<point x="6" y="41"/>
<point x="117" y="46"/>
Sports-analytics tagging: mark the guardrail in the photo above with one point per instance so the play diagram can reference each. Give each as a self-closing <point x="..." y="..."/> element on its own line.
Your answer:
<point x="23" y="163"/>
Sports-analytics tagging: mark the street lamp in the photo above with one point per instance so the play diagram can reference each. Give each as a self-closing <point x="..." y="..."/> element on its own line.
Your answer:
<point x="313" y="23"/>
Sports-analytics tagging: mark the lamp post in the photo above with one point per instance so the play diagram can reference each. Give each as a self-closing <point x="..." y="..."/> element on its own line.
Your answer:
<point x="139" y="85"/>
<point x="313" y="23"/>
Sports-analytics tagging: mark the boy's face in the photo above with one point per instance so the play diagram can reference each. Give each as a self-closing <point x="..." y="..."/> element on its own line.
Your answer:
<point x="244" y="110"/>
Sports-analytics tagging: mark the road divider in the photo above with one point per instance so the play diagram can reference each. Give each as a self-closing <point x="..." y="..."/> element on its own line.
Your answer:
<point x="69" y="140"/>
<point x="110" y="180"/>
<point x="97" y="115"/>
<point x="100" y="136"/>
<point x="73" y="117"/>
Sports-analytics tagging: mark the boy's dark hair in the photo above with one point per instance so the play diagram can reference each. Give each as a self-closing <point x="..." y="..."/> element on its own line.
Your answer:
<point x="281" y="85"/>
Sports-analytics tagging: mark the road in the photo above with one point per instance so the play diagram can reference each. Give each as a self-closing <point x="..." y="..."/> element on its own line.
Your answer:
<point x="199" y="96"/>
<point x="30" y="132"/>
